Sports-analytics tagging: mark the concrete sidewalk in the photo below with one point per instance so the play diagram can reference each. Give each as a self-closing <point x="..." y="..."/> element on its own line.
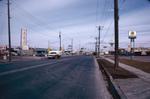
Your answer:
<point x="141" y="74"/>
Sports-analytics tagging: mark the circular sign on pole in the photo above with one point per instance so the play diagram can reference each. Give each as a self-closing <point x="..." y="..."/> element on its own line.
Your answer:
<point x="132" y="34"/>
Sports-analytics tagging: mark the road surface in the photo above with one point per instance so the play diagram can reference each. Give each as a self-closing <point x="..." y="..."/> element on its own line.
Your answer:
<point x="67" y="78"/>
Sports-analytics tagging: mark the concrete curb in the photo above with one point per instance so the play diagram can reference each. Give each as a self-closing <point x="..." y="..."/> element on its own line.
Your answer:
<point x="106" y="94"/>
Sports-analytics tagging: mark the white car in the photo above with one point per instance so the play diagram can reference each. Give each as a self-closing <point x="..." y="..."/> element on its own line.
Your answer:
<point x="54" y="54"/>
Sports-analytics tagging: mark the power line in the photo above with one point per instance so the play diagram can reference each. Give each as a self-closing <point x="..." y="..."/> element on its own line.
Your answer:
<point x="105" y="34"/>
<point x="39" y="22"/>
<point x="34" y="19"/>
<point x="97" y="8"/>
<point x="106" y="15"/>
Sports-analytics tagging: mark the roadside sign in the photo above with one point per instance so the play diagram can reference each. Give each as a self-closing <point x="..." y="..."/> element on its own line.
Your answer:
<point x="132" y="34"/>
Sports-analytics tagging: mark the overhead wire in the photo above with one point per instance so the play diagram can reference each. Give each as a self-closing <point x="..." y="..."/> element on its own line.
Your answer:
<point x="3" y="23"/>
<point x="34" y="20"/>
<point x="24" y="13"/>
<point x="109" y="26"/>
<point x="39" y="22"/>
<point x="31" y="17"/>
<point x="108" y="13"/>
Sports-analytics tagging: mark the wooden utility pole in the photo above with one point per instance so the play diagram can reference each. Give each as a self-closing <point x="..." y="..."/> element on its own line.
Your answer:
<point x="72" y="45"/>
<point x="116" y="18"/>
<point x="60" y="41"/>
<point x="9" y="34"/>
<point x="96" y="46"/>
<point x="99" y="39"/>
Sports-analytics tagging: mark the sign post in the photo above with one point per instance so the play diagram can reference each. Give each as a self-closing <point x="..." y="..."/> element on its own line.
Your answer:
<point x="132" y="37"/>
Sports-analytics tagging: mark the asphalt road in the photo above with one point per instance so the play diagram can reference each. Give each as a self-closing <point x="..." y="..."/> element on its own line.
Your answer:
<point x="67" y="78"/>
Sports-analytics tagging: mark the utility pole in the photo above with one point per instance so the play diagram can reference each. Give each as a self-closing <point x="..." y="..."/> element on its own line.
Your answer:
<point x="9" y="35"/>
<point x="96" y="46"/>
<point x="99" y="29"/>
<point x="72" y="46"/>
<point x="116" y="18"/>
<point x="49" y="45"/>
<point x="79" y="46"/>
<point x="60" y="40"/>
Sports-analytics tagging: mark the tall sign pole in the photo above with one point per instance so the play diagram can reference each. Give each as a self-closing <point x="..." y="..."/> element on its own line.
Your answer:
<point x="116" y="18"/>
<point x="9" y="35"/>
<point x="132" y="37"/>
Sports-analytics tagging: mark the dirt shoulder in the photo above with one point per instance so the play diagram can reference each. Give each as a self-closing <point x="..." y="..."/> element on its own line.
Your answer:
<point x="145" y="66"/>
<point x="118" y="73"/>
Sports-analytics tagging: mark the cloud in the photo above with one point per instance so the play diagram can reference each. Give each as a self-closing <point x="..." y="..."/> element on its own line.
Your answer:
<point x="136" y="21"/>
<point x="138" y="17"/>
<point x="36" y="6"/>
<point x="76" y="19"/>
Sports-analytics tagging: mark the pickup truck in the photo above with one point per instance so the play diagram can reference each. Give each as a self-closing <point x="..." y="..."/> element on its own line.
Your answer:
<point x="54" y="54"/>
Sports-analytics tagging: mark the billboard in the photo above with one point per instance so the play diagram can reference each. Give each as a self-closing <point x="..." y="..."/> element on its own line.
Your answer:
<point x="24" y="39"/>
<point x="132" y="34"/>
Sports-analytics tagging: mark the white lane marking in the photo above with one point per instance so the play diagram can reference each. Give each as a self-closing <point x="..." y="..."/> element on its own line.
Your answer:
<point x="31" y="67"/>
<point x="25" y="68"/>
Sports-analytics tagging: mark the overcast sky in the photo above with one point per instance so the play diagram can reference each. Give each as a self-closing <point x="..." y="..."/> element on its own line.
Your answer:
<point x="76" y="19"/>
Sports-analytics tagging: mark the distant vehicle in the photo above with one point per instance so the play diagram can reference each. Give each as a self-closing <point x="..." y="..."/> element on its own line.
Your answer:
<point x="54" y="54"/>
<point x="14" y="54"/>
<point x="40" y="53"/>
<point x="88" y="53"/>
